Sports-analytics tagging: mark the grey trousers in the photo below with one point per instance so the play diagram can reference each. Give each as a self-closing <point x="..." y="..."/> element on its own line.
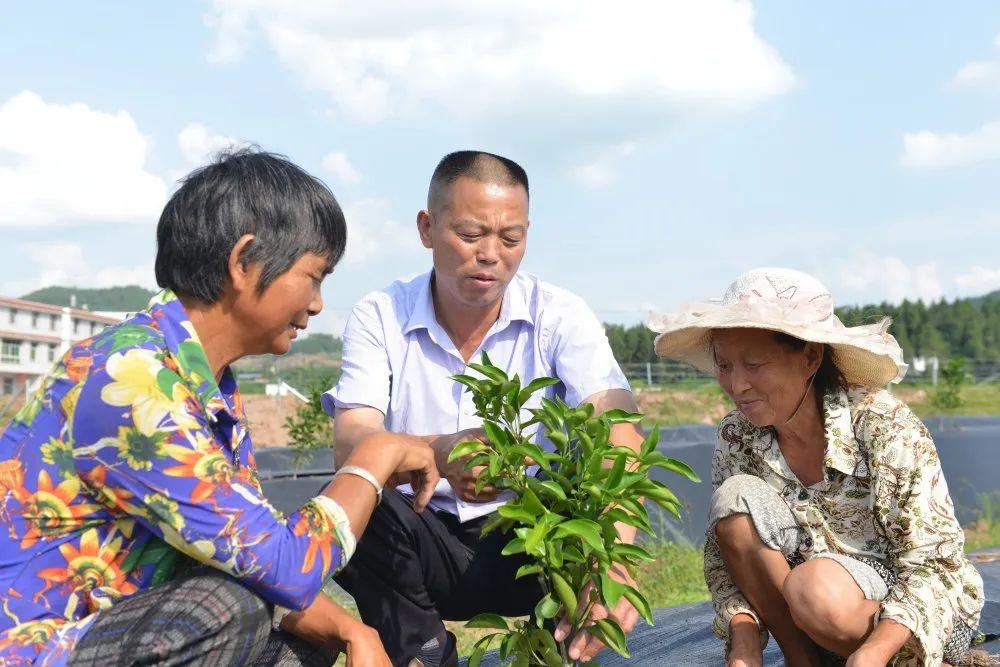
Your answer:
<point x="776" y="525"/>
<point x="205" y="618"/>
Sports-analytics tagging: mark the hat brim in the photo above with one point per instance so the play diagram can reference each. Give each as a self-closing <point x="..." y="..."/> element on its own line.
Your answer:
<point x="865" y="355"/>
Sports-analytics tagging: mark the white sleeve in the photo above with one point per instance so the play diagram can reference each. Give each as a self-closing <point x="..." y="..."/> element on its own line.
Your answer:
<point x="365" y="374"/>
<point x="580" y="353"/>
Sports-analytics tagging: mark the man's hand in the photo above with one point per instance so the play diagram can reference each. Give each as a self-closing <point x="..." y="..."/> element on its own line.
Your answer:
<point x="583" y="646"/>
<point x="461" y="478"/>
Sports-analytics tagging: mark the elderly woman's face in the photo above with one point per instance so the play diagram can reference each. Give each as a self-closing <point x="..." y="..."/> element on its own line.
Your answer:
<point x="764" y="378"/>
<point x="271" y="320"/>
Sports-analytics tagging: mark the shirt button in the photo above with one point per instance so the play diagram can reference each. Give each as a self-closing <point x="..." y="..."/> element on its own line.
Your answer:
<point x="803" y="495"/>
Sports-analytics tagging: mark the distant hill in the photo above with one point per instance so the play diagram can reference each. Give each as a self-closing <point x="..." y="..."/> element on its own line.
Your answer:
<point x="317" y="343"/>
<point x="116" y="299"/>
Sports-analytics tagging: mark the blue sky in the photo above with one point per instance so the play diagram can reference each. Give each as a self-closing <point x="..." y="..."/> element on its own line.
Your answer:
<point x="671" y="145"/>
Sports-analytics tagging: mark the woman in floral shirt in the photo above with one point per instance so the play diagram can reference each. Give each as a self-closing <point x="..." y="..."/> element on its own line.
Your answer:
<point x="135" y="451"/>
<point x="831" y="526"/>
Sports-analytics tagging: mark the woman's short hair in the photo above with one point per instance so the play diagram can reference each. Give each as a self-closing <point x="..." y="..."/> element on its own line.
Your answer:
<point x="245" y="191"/>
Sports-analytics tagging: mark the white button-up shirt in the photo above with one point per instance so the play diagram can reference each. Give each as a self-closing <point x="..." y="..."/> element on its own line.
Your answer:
<point x="399" y="360"/>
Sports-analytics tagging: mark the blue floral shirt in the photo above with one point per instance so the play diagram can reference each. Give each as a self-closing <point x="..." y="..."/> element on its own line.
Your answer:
<point x="130" y="453"/>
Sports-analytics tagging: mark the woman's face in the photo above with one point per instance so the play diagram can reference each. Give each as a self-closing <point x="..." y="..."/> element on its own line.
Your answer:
<point x="270" y="321"/>
<point x="764" y="378"/>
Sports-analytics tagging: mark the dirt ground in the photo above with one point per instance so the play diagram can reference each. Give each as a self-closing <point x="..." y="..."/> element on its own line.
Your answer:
<point x="267" y="416"/>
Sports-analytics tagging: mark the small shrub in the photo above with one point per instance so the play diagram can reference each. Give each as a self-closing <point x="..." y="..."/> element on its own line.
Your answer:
<point x="948" y="395"/>
<point x="310" y="428"/>
<point x="564" y="523"/>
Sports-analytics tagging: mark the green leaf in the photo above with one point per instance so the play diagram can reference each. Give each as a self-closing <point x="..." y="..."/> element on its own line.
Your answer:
<point x="463" y="449"/>
<point x="495" y="521"/>
<point x="534" y="386"/>
<point x="639" y="513"/>
<point x="554" y="488"/>
<point x="547" y="646"/>
<point x="565" y="594"/>
<point x="480" y="648"/>
<point x="658" y="492"/>
<point x="496" y="434"/>
<point x="558" y="438"/>
<point x="555" y="554"/>
<point x="640" y="603"/>
<point x="588" y="531"/>
<point x="474" y="384"/>
<point x="547" y="607"/>
<point x="611" y="634"/>
<point x="515" y="546"/>
<point x="492" y="372"/>
<point x="533" y="452"/>
<point x="649" y="444"/>
<point x="633" y="551"/>
<point x="488" y="621"/>
<point x="611" y="590"/>
<point x="518" y="513"/>
<point x="618" y="416"/>
<point x="525" y="570"/>
<point x="536" y="538"/>
<point x="673" y="465"/>
<point x="532" y="503"/>
<point x="615" y="476"/>
<point x="552" y="411"/>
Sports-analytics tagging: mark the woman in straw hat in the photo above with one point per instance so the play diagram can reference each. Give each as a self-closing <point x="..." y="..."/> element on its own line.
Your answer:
<point x="831" y="526"/>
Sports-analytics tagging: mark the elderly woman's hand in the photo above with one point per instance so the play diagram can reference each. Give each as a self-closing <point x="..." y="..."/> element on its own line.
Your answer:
<point x="416" y="465"/>
<point x="394" y="459"/>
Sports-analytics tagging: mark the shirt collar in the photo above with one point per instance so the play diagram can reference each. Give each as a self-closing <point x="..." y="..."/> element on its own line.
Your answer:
<point x="842" y="451"/>
<point x="514" y="307"/>
<point x="187" y="356"/>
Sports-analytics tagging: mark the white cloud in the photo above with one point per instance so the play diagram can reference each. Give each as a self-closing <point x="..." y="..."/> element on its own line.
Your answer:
<point x="979" y="73"/>
<point x="338" y="165"/>
<point x="934" y="150"/>
<point x="66" y="264"/>
<point x="496" y="57"/>
<point x="602" y="172"/>
<point x="73" y="164"/>
<point x="198" y="144"/>
<point x="979" y="280"/>
<point x="869" y="278"/>
<point x="372" y="235"/>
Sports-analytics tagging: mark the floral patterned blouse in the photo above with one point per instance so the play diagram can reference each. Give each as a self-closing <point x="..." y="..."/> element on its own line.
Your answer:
<point x="884" y="497"/>
<point x="130" y="447"/>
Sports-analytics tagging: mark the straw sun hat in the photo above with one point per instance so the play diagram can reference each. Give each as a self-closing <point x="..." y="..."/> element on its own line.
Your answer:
<point x="788" y="301"/>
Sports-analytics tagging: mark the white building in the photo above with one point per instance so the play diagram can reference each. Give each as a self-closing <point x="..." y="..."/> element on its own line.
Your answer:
<point x="33" y="335"/>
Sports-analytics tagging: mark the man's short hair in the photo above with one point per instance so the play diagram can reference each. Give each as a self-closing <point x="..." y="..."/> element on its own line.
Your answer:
<point x="245" y="191"/>
<point x="478" y="165"/>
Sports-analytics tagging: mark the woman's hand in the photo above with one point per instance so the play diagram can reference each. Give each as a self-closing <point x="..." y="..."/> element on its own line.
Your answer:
<point x="416" y="465"/>
<point x="866" y="658"/>
<point x="389" y="456"/>
<point x="364" y="647"/>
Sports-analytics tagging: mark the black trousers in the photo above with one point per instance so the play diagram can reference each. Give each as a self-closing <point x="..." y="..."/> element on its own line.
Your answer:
<point x="411" y="571"/>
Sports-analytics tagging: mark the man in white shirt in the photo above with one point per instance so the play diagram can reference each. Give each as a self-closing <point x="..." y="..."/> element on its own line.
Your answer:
<point x="401" y="347"/>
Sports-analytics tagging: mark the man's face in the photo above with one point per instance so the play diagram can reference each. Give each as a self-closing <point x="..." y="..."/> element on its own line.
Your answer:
<point x="478" y="241"/>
